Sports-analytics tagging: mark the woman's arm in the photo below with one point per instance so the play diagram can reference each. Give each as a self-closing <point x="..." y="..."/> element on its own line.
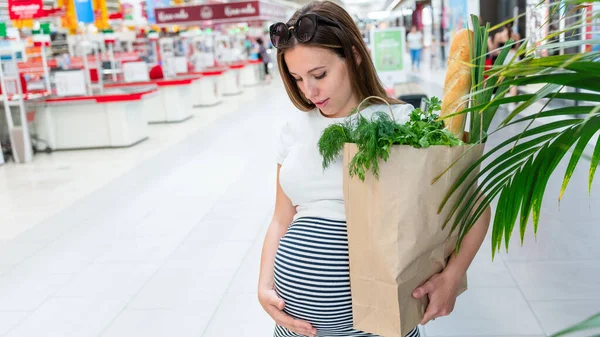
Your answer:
<point x="459" y="263"/>
<point x="442" y="288"/>
<point x="273" y="305"/>
<point x="282" y="218"/>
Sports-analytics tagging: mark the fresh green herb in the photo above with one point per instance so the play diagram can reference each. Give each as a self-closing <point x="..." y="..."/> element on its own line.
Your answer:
<point x="332" y="141"/>
<point x="375" y="137"/>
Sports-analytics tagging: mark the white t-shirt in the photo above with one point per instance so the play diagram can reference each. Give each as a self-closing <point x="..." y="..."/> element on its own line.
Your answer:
<point x="415" y="40"/>
<point x="313" y="191"/>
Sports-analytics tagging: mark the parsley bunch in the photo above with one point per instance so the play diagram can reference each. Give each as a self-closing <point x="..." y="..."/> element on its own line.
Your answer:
<point x="375" y="137"/>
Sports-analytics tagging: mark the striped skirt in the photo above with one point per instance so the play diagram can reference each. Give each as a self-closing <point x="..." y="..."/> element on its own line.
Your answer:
<point x="312" y="276"/>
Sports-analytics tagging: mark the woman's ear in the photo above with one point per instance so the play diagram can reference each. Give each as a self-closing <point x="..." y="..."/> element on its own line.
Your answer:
<point x="357" y="57"/>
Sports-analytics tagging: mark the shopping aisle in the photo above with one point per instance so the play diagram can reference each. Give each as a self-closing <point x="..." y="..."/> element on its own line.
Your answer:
<point x="172" y="246"/>
<point x="154" y="251"/>
<point x="36" y="191"/>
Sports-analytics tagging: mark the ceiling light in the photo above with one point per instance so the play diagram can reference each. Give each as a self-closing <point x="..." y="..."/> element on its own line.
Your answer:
<point x="393" y="5"/>
<point x="380" y="15"/>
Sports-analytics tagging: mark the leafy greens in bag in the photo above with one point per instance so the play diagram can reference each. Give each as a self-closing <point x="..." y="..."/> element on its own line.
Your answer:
<point x="374" y="137"/>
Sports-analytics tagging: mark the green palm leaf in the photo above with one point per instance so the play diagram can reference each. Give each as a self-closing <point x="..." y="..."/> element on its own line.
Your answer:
<point x="527" y="196"/>
<point x="594" y="165"/>
<point x="567" y="111"/>
<point x="587" y="81"/>
<point x="547" y="89"/>
<point x="514" y="162"/>
<point x="522" y="166"/>
<point x="532" y="132"/>
<point x="590" y="128"/>
<point x="592" y="322"/>
<point x="515" y="196"/>
<point x="498" y="219"/>
<point x="485" y="117"/>
<point x="489" y="184"/>
<point x="535" y="174"/>
<point x="584" y="63"/>
<point x="483" y="200"/>
<point x="551" y="158"/>
<point x="575" y="96"/>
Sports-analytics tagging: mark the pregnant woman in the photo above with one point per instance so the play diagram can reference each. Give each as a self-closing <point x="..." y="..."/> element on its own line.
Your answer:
<point x="304" y="282"/>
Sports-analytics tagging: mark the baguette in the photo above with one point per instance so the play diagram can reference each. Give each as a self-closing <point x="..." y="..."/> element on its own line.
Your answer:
<point x="458" y="82"/>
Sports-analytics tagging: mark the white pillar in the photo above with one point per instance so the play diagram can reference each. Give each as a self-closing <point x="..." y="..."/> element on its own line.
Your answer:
<point x="473" y="8"/>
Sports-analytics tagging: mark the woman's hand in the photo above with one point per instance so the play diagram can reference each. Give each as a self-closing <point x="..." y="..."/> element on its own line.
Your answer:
<point x="274" y="305"/>
<point x="442" y="290"/>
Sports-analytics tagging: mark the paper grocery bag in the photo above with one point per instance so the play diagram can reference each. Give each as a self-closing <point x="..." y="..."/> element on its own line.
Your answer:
<point x="395" y="236"/>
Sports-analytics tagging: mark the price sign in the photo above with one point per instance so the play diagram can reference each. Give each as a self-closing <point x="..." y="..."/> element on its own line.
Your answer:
<point x="136" y="72"/>
<point x="70" y="83"/>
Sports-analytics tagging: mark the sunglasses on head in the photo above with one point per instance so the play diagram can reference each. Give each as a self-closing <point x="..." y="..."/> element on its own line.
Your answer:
<point x="303" y="30"/>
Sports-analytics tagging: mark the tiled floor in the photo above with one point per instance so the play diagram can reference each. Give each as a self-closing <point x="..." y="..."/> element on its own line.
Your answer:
<point x="164" y="239"/>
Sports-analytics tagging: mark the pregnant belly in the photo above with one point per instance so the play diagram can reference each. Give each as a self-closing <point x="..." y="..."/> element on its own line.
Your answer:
<point x="312" y="273"/>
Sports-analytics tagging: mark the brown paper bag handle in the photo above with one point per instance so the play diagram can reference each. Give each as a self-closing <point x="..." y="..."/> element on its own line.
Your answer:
<point x="379" y="98"/>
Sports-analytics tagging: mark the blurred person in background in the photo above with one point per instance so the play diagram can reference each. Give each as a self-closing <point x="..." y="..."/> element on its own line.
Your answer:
<point x="263" y="55"/>
<point x="496" y="40"/>
<point x="414" y="41"/>
<point x="435" y="54"/>
<point x="248" y="46"/>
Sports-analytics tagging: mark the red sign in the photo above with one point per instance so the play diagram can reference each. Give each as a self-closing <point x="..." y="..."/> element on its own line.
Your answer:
<point x="116" y="16"/>
<point x="220" y="13"/>
<point x="589" y="21"/>
<point x="55" y="12"/>
<point x="25" y="9"/>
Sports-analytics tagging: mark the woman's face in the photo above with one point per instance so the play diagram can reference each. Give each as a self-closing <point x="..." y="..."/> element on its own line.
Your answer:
<point x="323" y="78"/>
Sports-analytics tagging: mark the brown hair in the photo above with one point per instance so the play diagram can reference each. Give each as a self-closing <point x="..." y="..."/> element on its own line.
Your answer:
<point x="363" y="76"/>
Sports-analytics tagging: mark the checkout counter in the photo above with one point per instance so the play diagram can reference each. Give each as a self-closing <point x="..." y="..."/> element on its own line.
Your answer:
<point x="251" y="73"/>
<point x="174" y="99"/>
<point x="118" y="115"/>
<point x="208" y="91"/>
<point x="114" y="118"/>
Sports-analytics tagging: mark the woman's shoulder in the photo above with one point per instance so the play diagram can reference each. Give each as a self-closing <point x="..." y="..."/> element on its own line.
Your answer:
<point x="297" y="116"/>
<point x="402" y="108"/>
<point x="296" y="120"/>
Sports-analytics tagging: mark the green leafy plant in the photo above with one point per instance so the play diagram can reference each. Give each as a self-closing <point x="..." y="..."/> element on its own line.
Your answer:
<point x="519" y="171"/>
<point x="375" y="137"/>
<point x="590" y="323"/>
<point x="333" y="139"/>
<point x="519" y="175"/>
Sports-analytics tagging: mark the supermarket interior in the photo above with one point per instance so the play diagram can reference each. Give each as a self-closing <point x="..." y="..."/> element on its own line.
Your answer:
<point x="138" y="170"/>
